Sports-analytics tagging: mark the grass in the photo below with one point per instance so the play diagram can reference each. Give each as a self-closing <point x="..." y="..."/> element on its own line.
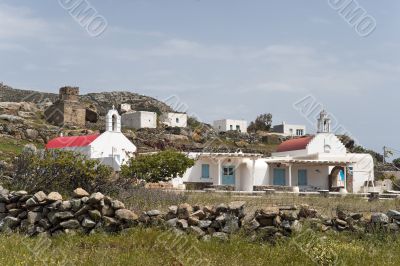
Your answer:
<point x="10" y="147"/>
<point x="153" y="247"/>
<point x="326" y="206"/>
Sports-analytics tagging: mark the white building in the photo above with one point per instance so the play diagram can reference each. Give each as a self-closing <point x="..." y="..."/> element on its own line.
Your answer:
<point x="290" y="129"/>
<point x="224" y="125"/>
<point x="111" y="147"/>
<point x="174" y="119"/>
<point x="139" y="119"/>
<point x="312" y="163"/>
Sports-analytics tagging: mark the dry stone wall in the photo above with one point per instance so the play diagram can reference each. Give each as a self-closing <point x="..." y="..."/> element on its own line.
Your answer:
<point x="49" y="214"/>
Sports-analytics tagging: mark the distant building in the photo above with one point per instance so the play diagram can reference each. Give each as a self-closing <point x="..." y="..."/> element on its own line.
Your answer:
<point x="67" y="110"/>
<point x="290" y="129"/>
<point x="224" y="125"/>
<point x="139" y="119"/>
<point x="111" y="148"/>
<point x="174" y="119"/>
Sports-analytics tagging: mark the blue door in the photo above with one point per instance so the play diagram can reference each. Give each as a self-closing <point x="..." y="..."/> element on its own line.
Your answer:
<point x="302" y="178"/>
<point x="279" y="177"/>
<point x="228" y="175"/>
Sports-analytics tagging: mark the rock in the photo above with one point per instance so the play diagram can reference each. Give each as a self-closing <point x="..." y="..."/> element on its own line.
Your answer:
<point x="356" y="216"/>
<point x="70" y="224"/>
<point x="40" y="196"/>
<point x="393" y="214"/>
<point x="253" y="225"/>
<point x="20" y="193"/>
<point x="289" y="215"/>
<point x="204" y="224"/>
<point x="109" y="221"/>
<point x="153" y="213"/>
<point x="231" y="225"/>
<point x="220" y="236"/>
<point x="125" y="215"/>
<point x="34" y="217"/>
<point x="55" y="217"/>
<point x="296" y="226"/>
<point x="95" y="215"/>
<point x="393" y="227"/>
<point x="197" y="231"/>
<point x="11" y="118"/>
<point x="341" y="222"/>
<point x="14" y="212"/>
<point x="54" y="196"/>
<point x="193" y="221"/>
<point x="45" y="223"/>
<point x="173" y="210"/>
<point x="266" y="216"/>
<point x="379" y="218"/>
<point x="182" y="223"/>
<point x="87" y="223"/>
<point x="11" y="222"/>
<point x="3" y="207"/>
<point x="107" y="210"/>
<point x="307" y="212"/>
<point x="83" y="210"/>
<point x="340" y="214"/>
<point x="116" y="205"/>
<point x="236" y="205"/>
<point x="31" y="202"/>
<point x="65" y="205"/>
<point x="184" y="211"/>
<point x="286" y="225"/>
<point x="200" y="215"/>
<point x="95" y="198"/>
<point x="91" y="115"/>
<point x="221" y="208"/>
<point x="80" y="192"/>
<point x="172" y="222"/>
<point x="31" y="134"/>
<point x="76" y="204"/>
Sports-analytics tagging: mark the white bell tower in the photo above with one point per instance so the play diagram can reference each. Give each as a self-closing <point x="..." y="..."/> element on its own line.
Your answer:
<point x="113" y="121"/>
<point x="324" y="122"/>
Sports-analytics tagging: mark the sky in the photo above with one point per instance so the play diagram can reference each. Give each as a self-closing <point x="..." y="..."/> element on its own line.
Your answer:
<point x="218" y="59"/>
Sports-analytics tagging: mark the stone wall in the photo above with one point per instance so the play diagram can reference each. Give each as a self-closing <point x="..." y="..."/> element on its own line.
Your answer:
<point x="49" y="214"/>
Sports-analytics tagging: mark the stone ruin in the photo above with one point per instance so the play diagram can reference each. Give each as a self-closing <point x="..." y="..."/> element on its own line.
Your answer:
<point x="67" y="110"/>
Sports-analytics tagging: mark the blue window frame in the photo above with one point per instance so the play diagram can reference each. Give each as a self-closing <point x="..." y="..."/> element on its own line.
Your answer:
<point x="205" y="171"/>
<point x="302" y="177"/>
<point x="279" y="178"/>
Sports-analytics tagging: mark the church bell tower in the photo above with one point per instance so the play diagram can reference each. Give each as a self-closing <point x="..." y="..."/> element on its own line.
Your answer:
<point x="324" y="122"/>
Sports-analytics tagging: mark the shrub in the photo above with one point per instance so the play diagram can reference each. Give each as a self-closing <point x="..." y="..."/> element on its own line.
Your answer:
<point x="162" y="166"/>
<point x="56" y="170"/>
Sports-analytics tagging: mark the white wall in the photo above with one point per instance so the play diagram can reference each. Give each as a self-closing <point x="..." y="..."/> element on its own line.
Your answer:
<point x="225" y="125"/>
<point x="174" y="119"/>
<point x="111" y="144"/>
<point x="140" y="119"/>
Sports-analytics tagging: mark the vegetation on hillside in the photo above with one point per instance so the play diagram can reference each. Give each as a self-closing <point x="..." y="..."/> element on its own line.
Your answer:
<point x="263" y="122"/>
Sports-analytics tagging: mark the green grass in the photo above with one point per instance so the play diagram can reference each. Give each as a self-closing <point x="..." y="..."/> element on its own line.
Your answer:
<point x="10" y="147"/>
<point x="154" y="247"/>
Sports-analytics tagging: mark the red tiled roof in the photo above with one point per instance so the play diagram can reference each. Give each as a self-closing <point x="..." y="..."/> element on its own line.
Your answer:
<point x="75" y="141"/>
<point x="294" y="144"/>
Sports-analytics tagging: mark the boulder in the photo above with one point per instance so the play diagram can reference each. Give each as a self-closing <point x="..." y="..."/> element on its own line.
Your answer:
<point x="307" y="212"/>
<point x="197" y="231"/>
<point x="95" y="215"/>
<point x="200" y="215"/>
<point x="32" y="134"/>
<point x="88" y="223"/>
<point x="393" y="214"/>
<point x="220" y="235"/>
<point x="95" y="198"/>
<point x="34" y="217"/>
<point x="182" y="223"/>
<point x="70" y="224"/>
<point x="153" y="213"/>
<point x="40" y="196"/>
<point x="172" y="222"/>
<point x="54" y="196"/>
<point x="80" y="192"/>
<point x="184" y="211"/>
<point x="204" y="224"/>
<point x="125" y="215"/>
<point x="379" y="218"/>
<point x="116" y="205"/>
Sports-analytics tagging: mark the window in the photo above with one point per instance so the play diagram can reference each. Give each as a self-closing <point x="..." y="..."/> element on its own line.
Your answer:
<point x="238" y="128"/>
<point x="231" y="127"/>
<point x="291" y="131"/>
<point x="177" y="120"/>
<point x="114" y="123"/>
<point x="205" y="171"/>
<point x="302" y="177"/>
<point x="299" y="132"/>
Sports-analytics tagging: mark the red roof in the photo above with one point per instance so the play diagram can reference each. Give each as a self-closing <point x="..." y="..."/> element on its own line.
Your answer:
<point x="294" y="144"/>
<point x="75" y="141"/>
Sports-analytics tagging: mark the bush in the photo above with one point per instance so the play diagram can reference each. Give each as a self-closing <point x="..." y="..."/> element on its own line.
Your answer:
<point x="162" y="166"/>
<point x="56" y="170"/>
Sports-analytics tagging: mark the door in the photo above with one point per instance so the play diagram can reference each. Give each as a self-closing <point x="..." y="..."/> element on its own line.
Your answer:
<point x="302" y="177"/>
<point x="279" y="177"/>
<point x="228" y="175"/>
